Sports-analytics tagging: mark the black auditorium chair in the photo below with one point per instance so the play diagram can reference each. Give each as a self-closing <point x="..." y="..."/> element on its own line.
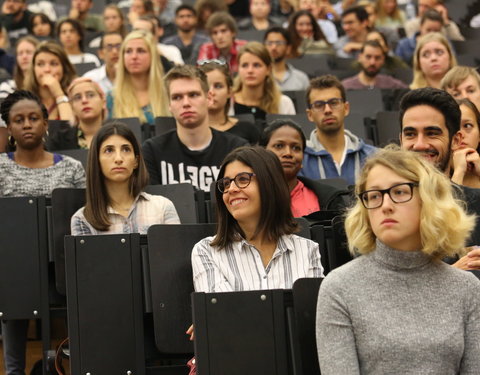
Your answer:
<point x="298" y="98"/>
<point x="312" y="65"/>
<point x="133" y="123"/>
<point x="355" y="122"/>
<point x="183" y="198"/>
<point x="80" y="154"/>
<point x="366" y="102"/>
<point x="163" y="124"/>
<point x="387" y="127"/>
<point x="170" y="273"/>
<point x="251" y="35"/>
<point x="82" y="68"/>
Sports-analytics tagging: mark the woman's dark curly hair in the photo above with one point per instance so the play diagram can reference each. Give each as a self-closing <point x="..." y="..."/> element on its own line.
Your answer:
<point x="15" y="97"/>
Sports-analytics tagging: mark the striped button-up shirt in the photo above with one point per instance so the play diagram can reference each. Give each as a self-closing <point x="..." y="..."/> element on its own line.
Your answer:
<point x="239" y="267"/>
<point x="147" y="210"/>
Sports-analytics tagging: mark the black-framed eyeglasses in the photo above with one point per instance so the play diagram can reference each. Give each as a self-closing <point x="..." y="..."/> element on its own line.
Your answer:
<point x="242" y="180"/>
<point x="275" y="43"/>
<point x="319" y="105"/>
<point x="111" y="47"/>
<point x="399" y="193"/>
<point x="214" y="61"/>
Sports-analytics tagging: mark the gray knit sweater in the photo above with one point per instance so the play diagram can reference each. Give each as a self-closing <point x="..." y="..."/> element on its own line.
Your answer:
<point x="398" y="312"/>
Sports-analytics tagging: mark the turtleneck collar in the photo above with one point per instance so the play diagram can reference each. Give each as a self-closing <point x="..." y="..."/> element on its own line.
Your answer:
<point x="399" y="259"/>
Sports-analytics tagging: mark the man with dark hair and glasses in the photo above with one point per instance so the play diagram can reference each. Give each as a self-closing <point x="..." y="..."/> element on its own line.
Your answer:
<point x="278" y="43"/>
<point x="109" y="52"/>
<point x="332" y="151"/>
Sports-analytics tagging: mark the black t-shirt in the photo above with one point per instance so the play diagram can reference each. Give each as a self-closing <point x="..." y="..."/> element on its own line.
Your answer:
<point x="169" y="161"/>
<point x="16" y="29"/>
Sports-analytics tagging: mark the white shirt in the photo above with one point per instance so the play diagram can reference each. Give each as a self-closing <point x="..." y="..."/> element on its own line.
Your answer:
<point x="239" y="267"/>
<point x="286" y="106"/>
<point x="172" y="53"/>
<point x="99" y="75"/>
<point x="84" y="58"/>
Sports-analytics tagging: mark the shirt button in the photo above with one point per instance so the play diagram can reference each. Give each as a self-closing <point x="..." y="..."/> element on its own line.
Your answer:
<point x="265" y="276"/>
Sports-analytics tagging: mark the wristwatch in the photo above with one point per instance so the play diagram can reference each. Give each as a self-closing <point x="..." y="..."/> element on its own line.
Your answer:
<point x="62" y="99"/>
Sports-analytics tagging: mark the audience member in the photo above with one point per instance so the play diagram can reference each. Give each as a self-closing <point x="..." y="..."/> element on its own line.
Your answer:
<point x="392" y="62"/>
<point x="48" y="77"/>
<point x="286" y="140"/>
<point x="29" y="171"/>
<point x="41" y="27"/>
<point x="80" y="11"/>
<point x="429" y="119"/>
<point x="138" y="90"/>
<point x="278" y="43"/>
<point x="71" y="36"/>
<point x="465" y="146"/>
<point x="463" y="82"/>
<point x="222" y="29"/>
<point x="117" y="176"/>
<point x="220" y="82"/>
<point x="193" y="152"/>
<point x="372" y="60"/>
<point x="24" y="51"/>
<point x="152" y="25"/>
<point x="259" y="18"/>
<point x="7" y="61"/>
<point x="450" y="28"/>
<point x="307" y="37"/>
<point x="372" y="314"/>
<point x="355" y="26"/>
<point x="320" y="10"/>
<point x="433" y="58"/>
<point x="205" y="8"/>
<point x="255" y="246"/>
<point x="332" y="150"/>
<point x="431" y="22"/>
<point x="109" y="52"/>
<point x="140" y="8"/>
<point x="113" y="22"/>
<point x="187" y="39"/>
<point x="255" y="90"/>
<point x="389" y="14"/>
<point x="391" y="35"/>
<point x="89" y="109"/>
<point x="15" y="17"/>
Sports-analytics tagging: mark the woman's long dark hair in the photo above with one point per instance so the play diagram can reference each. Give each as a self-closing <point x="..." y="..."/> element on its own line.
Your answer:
<point x="97" y="197"/>
<point x="276" y="217"/>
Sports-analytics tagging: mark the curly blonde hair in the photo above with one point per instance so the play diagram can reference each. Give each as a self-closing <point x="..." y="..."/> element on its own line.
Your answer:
<point x="270" y="102"/>
<point x="444" y="223"/>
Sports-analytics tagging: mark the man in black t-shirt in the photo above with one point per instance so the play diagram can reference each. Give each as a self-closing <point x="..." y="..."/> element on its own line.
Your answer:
<point x="193" y="152"/>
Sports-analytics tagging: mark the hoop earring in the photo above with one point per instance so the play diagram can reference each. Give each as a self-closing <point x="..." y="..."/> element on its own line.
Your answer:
<point x="11" y="141"/>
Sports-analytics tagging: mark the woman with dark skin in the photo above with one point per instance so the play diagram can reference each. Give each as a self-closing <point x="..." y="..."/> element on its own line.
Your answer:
<point x="29" y="170"/>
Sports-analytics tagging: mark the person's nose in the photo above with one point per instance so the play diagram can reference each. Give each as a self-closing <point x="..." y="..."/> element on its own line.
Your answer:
<point x="287" y="152"/>
<point x="387" y="204"/>
<point x="420" y="143"/>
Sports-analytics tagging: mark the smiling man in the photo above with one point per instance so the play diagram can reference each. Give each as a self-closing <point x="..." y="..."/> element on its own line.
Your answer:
<point x="371" y="60"/>
<point x="193" y="152"/>
<point x="429" y="118"/>
<point x="332" y="151"/>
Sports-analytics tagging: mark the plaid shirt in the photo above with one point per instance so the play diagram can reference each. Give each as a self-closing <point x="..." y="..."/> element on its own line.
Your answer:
<point x="147" y="210"/>
<point x="209" y="51"/>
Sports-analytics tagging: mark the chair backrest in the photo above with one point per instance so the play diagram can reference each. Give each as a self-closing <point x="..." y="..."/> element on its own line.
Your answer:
<point x="82" y="68"/>
<point x="170" y="269"/>
<point x="299" y="99"/>
<point x="65" y="202"/>
<point x="300" y="118"/>
<point x="387" y="127"/>
<point x="61" y="136"/>
<point x="24" y="255"/>
<point x="365" y="102"/>
<point x="305" y="295"/>
<point x="80" y="154"/>
<point x="312" y="65"/>
<point x="163" y="124"/>
<point x="251" y="35"/>
<point x="133" y="123"/>
<point x="183" y="198"/>
<point x="105" y="308"/>
<point x="355" y="122"/>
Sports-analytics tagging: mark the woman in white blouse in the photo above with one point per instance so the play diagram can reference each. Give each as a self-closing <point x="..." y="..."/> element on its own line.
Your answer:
<point x="254" y="247"/>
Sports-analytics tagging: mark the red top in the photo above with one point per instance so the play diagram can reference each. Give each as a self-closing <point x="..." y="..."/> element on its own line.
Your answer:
<point x="209" y="51"/>
<point x="303" y="201"/>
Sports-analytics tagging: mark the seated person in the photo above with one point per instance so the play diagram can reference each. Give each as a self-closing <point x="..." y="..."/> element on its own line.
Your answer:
<point x="259" y="16"/>
<point x="286" y="140"/>
<point x="255" y="90"/>
<point x="220" y="82"/>
<point x="29" y="170"/>
<point x="254" y="247"/>
<point x="116" y="178"/>
<point x="463" y="82"/>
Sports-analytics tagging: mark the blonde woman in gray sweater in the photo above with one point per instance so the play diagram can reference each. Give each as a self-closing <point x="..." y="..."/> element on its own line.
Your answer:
<point x="398" y="309"/>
